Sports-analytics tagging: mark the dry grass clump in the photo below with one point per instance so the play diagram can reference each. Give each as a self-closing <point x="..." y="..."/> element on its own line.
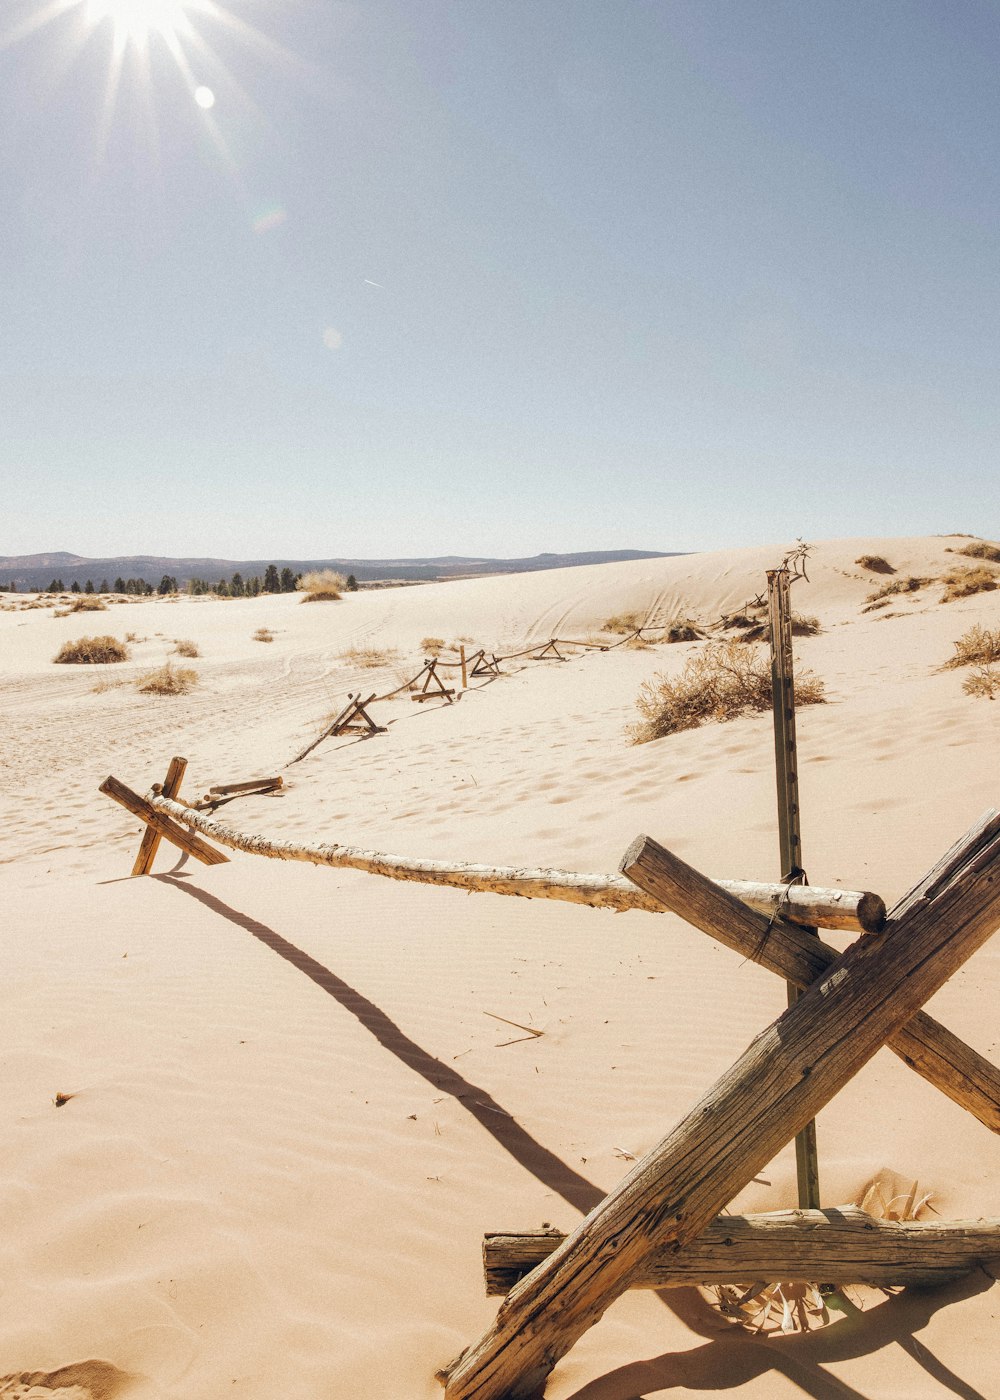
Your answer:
<point x="369" y="657"/>
<point x="984" y="682"/>
<point x="433" y="646"/>
<point x="683" y="629"/>
<point x="623" y="623"/>
<point x="723" y="681"/>
<point x="167" y="681"/>
<point x="979" y="549"/>
<point x="962" y="583"/>
<point x="186" y="648"/>
<point x="876" y="564"/>
<point x="977" y="647"/>
<point x="92" y="651"/>
<point x="263" y="634"/>
<point x="881" y="596"/>
<point x="322" y="585"/>
<point x="87" y="602"/>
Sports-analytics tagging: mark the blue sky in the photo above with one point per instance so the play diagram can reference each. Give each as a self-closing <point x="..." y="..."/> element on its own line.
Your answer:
<point x="497" y="275"/>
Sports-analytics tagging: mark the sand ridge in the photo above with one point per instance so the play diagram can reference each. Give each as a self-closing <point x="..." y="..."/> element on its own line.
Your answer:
<point x="294" y="1111"/>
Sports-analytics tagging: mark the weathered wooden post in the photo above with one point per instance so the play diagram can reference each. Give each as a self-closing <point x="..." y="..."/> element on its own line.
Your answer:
<point x="786" y="764"/>
<point x="465" y="678"/>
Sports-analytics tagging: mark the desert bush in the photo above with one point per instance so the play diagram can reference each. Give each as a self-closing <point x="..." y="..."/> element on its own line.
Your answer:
<point x="87" y="602"/>
<point x="321" y="585"/>
<point x="724" y="680"/>
<point x="977" y="647"/>
<point x="876" y="564"/>
<point x="683" y="629"/>
<point x="263" y="634"/>
<point x="623" y="623"/>
<point x="881" y="596"/>
<point x="962" y="583"/>
<point x="984" y="681"/>
<point x="186" y="648"/>
<point x="979" y="549"/>
<point x="369" y="657"/>
<point x="433" y="646"/>
<point x="92" y="651"/>
<point x="167" y="681"/>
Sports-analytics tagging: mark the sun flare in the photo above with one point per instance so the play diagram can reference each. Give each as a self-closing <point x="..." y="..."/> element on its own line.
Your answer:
<point x="136" y="20"/>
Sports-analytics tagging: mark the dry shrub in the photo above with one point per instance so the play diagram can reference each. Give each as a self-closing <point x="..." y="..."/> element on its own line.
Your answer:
<point x="369" y="657"/>
<point x="87" y="602"/>
<point x="186" y="648"/>
<point x="263" y="635"/>
<point x="984" y="682"/>
<point x="638" y="644"/>
<point x="683" y="629"/>
<point x="881" y="596"/>
<point x="801" y="627"/>
<point x="723" y="681"/>
<point x="876" y="564"/>
<point x="322" y="585"/>
<point x="167" y="681"/>
<point x="979" y="549"/>
<point x="977" y="647"/>
<point x="962" y="583"/>
<point x="623" y="623"/>
<point x="433" y="646"/>
<point x="92" y="651"/>
<point x="887" y="1197"/>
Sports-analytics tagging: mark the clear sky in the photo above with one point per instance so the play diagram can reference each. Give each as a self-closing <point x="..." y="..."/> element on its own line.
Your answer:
<point x="400" y="277"/>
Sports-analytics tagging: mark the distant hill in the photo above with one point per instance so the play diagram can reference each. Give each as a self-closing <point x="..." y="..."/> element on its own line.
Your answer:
<point x="32" y="571"/>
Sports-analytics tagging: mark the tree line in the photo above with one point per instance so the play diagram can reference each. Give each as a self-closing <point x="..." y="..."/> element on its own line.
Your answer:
<point x="237" y="587"/>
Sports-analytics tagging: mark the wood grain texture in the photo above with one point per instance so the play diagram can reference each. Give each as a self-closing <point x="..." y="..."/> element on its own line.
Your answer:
<point x="839" y="1245"/>
<point x="781" y="1081"/>
<point x="965" y="1076"/>
<point x="151" y="838"/>
<point x="161" y="824"/>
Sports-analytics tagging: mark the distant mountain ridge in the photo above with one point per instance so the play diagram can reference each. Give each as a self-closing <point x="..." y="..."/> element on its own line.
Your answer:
<point x="33" y="571"/>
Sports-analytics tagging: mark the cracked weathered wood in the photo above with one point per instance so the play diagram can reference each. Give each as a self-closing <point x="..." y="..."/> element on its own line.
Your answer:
<point x="839" y="1245"/>
<point x="960" y="1072"/>
<point x="784" y="1078"/>
<point x="162" y="825"/>
<point x="599" y="891"/>
<point x="151" y="838"/>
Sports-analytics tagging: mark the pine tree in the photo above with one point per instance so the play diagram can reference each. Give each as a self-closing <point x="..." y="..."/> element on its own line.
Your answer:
<point x="253" y="586"/>
<point x="55" y="586"/>
<point x="272" y="583"/>
<point x="105" y="587"/>
<point x="119" y="584"/>
<point x="352" y="584"/>
<point x="74" y="587"/>
<point x="236" y="587"/>
<point x="89" y="586"/>
<point x="287" y="581"/>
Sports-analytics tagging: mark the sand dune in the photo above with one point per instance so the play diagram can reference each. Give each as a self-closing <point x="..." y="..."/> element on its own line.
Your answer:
<point x="295" y="1104"/>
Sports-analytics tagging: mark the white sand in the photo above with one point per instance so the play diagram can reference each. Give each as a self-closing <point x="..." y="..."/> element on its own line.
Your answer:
<point x="292" y="1117"/>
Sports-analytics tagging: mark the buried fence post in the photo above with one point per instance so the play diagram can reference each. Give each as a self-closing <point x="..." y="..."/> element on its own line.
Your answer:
<point x="779" y="1083"/>
<point x="465" y="678"/>
<point x="151" y="838"/>
<point x="789" y="831"/>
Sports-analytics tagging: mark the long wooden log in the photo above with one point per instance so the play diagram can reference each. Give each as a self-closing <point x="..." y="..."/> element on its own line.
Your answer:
<point x="151" y="838"/>
<point x="599" y="891"/>
<point x="967" y="1077"/>
<point x="251" y="785"/>
<point x="840" y="1245"/>
<point x="162" y="825"/>
<point x="782" y="1080"/>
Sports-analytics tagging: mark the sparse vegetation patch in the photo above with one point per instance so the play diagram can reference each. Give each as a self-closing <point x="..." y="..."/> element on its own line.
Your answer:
<point x="186" y="648"/>
<point x="724" y="680"/>
<point x="433" y="646"/>
<point x="979" y="549"/>
<point x="977" y="647"/>
<point x="369" y="657"/>
<point x="881" y="596"/>
<point x="92" y="651"/>
<point x="263" y="634"/>
<point x="962" y="583"/>
<point x="984" y="682"/>
<point x="87" y="602"/>
<point x="876" y="564"/>
<point x="167" y="680"/>
<point x="322" y="585"/>
<point x="623" y="623"/>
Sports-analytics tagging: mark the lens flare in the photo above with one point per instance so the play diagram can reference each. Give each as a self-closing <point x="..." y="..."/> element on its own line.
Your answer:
<point x="135" y="20"/>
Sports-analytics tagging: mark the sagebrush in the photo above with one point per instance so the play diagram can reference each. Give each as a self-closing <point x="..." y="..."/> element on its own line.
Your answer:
<point x="962" y="583"/>
<point x="980" y="549"/>
<point x="167" y="680"/>
<point x="322" y="585"/>
<point x="977" y="647"/>
<point x="724" y="680"/>
<point x="183" y="647"/>
<point x="876" y="564"/>
<point x="92" y="651"/>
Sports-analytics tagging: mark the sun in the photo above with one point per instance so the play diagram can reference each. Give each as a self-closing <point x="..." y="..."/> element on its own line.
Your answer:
<point x="135" y="20"/>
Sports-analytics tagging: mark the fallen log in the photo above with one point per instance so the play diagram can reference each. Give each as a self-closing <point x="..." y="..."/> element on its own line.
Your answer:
<point x="783" y="1079"/>
<point x="599" y="891"/>
<point x="839" y="1245"/>
<point x="251" y="785"/>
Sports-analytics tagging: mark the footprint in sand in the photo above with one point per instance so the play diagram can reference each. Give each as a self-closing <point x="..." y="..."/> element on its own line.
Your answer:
<point x="83" y="1380"/>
